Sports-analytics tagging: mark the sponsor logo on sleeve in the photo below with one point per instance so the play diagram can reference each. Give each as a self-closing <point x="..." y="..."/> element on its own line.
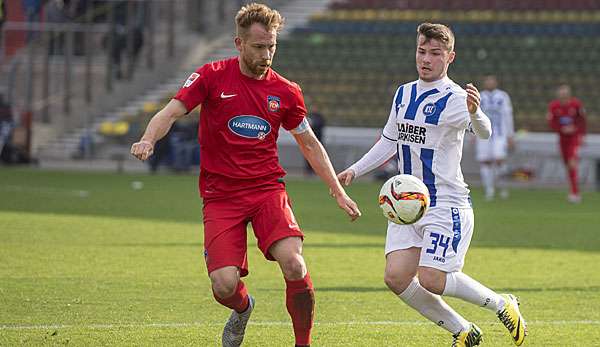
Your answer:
<point x="191" y="79"/>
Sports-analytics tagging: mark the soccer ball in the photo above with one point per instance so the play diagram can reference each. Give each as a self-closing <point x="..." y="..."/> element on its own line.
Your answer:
<point x="404" y="199"/>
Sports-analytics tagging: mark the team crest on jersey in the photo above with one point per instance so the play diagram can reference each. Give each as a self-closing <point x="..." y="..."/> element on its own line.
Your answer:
<point x="274" y="103"/>
<point x="251" y="127"/>
<point x="191" y="79"/>
<point x="429" y="109"/>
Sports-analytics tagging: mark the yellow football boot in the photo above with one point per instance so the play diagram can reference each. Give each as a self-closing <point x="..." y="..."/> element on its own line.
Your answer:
<point x="468" y="338"/>
<point x="512" y="319"/>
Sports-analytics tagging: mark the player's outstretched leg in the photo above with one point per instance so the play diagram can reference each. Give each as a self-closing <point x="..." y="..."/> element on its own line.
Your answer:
<point x="512" y="319"/>
<point x="506" y="306"/>
<point x="233" y="333"/>
<point x="468" y="338"/>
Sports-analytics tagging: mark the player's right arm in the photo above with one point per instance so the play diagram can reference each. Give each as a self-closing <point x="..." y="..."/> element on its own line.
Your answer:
<point x="480" y="124"/>
<point x="157" y="128"/>
<point x="381" y="151"/>
<point x="191" y="94"/>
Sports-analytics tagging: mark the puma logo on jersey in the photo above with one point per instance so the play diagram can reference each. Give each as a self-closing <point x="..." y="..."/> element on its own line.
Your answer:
<point x="227" y="96"/>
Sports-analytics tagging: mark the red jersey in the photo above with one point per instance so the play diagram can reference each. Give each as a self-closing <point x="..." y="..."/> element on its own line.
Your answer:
<point x="239" y="125"/>
<point x="570" y="113"/>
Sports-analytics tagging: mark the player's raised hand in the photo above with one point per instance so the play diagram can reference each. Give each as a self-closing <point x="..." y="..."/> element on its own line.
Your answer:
<point x="473" y="98"/>
<point x="348" y="205"/>
<point x="346" y="177"/>
<point x="142" y="150"/>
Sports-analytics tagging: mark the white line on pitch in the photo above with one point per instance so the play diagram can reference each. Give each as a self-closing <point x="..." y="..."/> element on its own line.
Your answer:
<point x="272" y="323"/>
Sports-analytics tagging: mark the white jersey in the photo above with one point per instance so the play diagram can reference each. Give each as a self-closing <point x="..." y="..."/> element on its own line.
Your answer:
<point x="428" y="122"/>
<point x="497" y="106"/>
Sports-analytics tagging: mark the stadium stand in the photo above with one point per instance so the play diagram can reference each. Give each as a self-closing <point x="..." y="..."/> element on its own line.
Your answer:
<point x="350" y="58"/>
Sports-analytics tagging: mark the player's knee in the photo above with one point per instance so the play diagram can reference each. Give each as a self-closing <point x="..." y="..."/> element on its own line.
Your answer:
<point x="396" y="282"/>
<point x="432" y="283"/>
<point x="293" y="268"/>
<point x="224" y="287"/>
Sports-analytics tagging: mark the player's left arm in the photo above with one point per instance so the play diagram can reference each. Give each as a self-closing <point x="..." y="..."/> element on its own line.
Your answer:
<point x="581" y="121"/>
<point x="509" y="122"/>
<point x="315" y="154"/>
<point x="480" y="123"/>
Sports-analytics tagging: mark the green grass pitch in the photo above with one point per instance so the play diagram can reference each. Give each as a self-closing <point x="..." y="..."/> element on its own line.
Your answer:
<point x="85" y="260"/>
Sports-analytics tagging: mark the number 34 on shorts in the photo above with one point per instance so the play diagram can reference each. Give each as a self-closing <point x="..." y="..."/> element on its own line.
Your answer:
<point x="446" y="245"/>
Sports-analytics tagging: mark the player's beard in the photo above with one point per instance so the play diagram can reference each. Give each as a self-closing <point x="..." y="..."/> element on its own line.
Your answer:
<point x="255" y="66"/>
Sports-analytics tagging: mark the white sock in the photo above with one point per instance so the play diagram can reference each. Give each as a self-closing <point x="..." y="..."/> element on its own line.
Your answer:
<point x="460" y="285"/>
<point x="432" y="307"/>
<point x="487" y="178"/>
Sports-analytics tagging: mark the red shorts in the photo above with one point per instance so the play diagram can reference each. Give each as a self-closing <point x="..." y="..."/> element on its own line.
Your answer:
<point x="225" y="222"/>
<point x="569" y="147"/>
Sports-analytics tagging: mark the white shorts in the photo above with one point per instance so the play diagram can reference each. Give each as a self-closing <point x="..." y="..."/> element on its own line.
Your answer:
<point x="443" y="234"/>
<point x="494" y="148"/>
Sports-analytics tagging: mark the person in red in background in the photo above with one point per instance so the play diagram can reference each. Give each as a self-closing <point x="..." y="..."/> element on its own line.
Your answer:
<point x="243" y="105"/>
<point x="566" y="116"/>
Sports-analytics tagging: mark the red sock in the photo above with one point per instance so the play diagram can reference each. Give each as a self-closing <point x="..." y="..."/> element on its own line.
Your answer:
<point x="300" y="302"/>
<point x="238" y="301"/>
<point x="573" y="180"/>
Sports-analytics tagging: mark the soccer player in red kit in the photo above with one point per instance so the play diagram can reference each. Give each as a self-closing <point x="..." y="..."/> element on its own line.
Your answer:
<point x="566" y="116"/>
<point x="243" y="105"/>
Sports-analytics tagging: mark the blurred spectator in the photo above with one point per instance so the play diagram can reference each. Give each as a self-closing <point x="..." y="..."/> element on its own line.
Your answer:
<point x="3" y="17"/>
<point x="6" y="129"/>
<point x="120" y="38"/>
<point x="85" y="149"/>
<point x="162" y="149"/>
<point x="317" y="123"/>
<point x="177" y="148"/>
<point x="185" y="145"/>
<point x="32" y="8"/>
<point x="566" y="116"/>
<point x="77" y="13"/>
<point x="55" y="11"/>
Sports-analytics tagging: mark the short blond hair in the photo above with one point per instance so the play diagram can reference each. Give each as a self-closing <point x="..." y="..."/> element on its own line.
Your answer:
<point x="438" y="32"/>
<point x="257" y="13"/>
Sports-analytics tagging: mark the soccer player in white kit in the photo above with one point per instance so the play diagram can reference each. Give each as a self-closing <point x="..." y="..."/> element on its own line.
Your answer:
<point x="425" y="131"/>
<point x="491" y="153"/>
